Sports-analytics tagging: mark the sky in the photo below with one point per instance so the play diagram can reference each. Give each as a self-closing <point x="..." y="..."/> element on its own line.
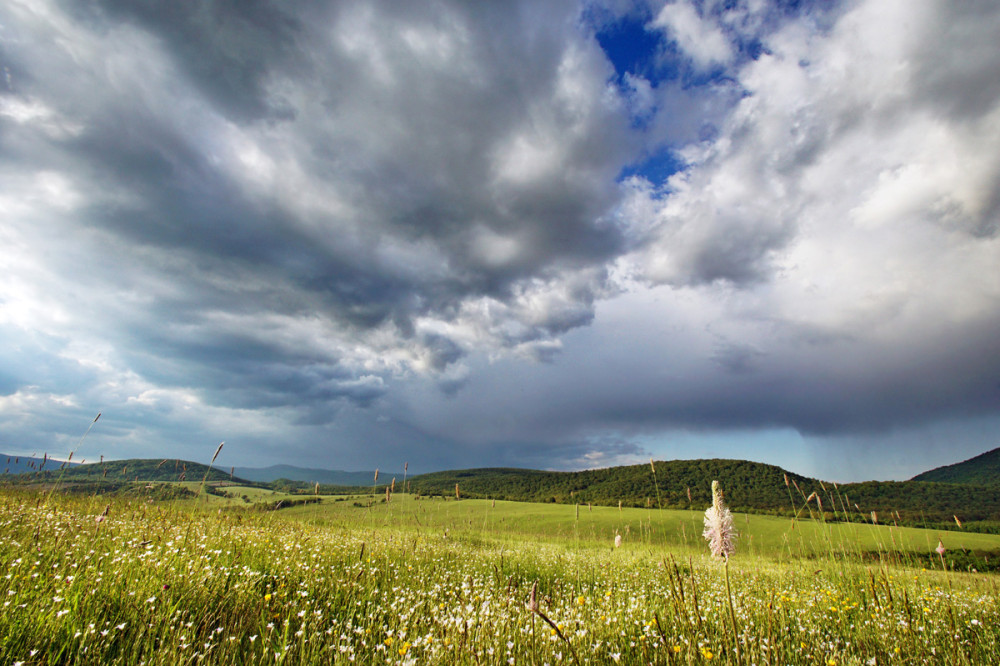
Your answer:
<point x="557" y="235"/>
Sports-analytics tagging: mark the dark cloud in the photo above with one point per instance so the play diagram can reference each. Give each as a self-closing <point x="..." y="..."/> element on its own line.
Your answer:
<point x="229" y="49"/>
<point x="338" y="223"/>
<point x="368" y="166"/>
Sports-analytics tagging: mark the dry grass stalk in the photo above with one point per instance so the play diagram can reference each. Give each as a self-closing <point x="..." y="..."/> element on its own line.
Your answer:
<point x="216" y="454"/>
<point x="535" y="608"/>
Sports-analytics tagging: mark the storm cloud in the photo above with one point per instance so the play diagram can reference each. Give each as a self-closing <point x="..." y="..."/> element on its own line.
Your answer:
<point x="480" y="234"/>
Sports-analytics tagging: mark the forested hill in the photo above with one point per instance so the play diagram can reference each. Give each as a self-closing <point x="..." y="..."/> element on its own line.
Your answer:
<point x="983" y="470"/>
<point x="133" y="470"/>
<point x="685" y="484"/>
<point x="748" y="486"/>
<point x="676" y="483"/>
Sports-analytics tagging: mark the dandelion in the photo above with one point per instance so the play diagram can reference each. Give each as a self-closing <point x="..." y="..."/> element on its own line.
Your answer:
<point x="719" y="530"/>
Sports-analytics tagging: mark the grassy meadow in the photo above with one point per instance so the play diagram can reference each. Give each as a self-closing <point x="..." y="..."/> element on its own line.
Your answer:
<point x="356" y="579"/>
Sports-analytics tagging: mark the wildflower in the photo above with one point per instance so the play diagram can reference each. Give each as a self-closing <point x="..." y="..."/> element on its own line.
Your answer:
<point x="618" y="541"/>
<point x="940" y="548"/>
<point x="719" y="530"/>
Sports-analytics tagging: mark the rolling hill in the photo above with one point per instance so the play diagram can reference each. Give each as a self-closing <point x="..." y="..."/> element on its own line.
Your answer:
<point x="967" y="491"/>
<point x="135" y="469"/>
<point x="748" y="486"/>
<point x="983" y="470"/>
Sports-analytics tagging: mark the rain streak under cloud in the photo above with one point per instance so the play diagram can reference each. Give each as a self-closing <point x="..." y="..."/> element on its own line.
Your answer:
<point x="559" y="235"/>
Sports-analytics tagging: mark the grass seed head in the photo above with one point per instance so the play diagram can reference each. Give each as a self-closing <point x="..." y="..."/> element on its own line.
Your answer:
<point x="719" y="530"/>
<point x="216" y="455"/>
<point x="532" y="604"/>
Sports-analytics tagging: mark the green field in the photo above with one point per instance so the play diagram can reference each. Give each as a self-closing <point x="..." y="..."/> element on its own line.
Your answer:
<point x="355" y="579"/>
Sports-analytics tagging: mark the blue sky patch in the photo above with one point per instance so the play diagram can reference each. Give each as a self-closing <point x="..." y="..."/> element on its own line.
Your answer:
<point x="633" y="49"/>
<point x="655" y="168"/>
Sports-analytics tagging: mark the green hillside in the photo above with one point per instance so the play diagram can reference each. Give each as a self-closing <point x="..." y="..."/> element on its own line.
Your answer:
<point x="983" y="470"/>
<point x="678" y="484"/>
<point x="749" y="486"/>
<point x="134" y="469"/>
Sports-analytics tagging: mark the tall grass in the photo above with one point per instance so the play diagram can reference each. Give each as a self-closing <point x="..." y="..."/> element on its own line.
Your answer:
<point x="431" y="582"/>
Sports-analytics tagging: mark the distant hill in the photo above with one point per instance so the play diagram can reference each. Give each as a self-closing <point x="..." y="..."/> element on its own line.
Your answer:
<point x="983" y="470"/>
<point x="131" y="470"/>
<point x="19" y="464"/>
<point x="745" y="484"/>
<point x="748" y="486"/>
<point x="685" y="484"/>
<point x="333" y="477"/>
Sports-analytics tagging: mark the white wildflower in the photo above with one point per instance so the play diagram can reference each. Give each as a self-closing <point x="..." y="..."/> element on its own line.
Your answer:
<point x="719" y="530"/>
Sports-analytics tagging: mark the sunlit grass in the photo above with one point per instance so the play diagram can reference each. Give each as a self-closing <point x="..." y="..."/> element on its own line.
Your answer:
<point x="429" y="581"/>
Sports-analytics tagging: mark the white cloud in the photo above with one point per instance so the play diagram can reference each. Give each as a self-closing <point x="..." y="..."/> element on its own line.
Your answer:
<point x="350" y="215"/>
<point x="697" y="36"/>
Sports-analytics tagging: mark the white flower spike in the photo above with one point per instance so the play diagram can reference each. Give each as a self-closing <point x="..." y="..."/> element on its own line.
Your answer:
<point x="719" y="530"/>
